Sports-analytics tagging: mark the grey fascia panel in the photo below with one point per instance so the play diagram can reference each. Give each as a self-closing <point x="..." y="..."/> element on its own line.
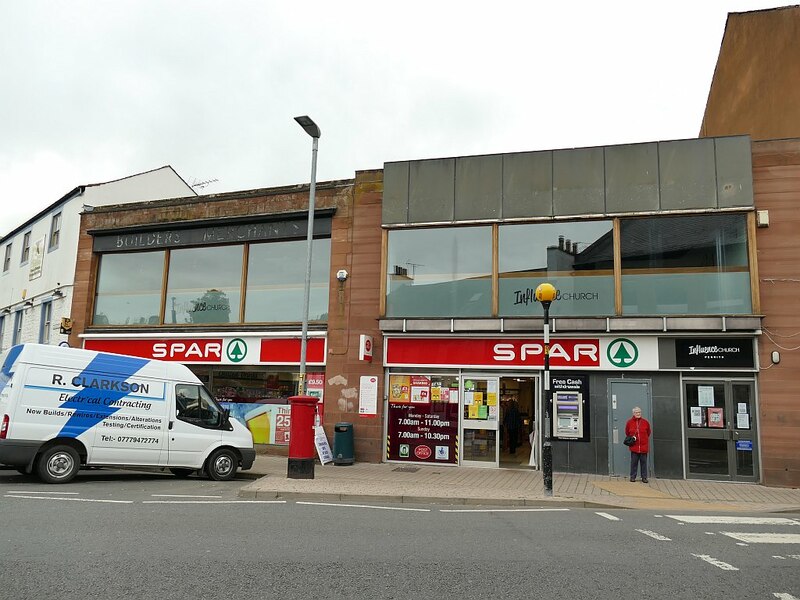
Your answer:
<point x="479" y="187"/>
<point x="734" y="171"/>
<point x="631" y="178"/>
<point x="578" y="182"/>
<point x="687" y="170"/>
<point x="395" y="193"/>
<point x="431" y="190"/>
<point x="528" y="185"/>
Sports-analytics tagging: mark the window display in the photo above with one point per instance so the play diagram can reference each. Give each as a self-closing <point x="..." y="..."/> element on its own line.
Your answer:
<point x="422" y="420"/>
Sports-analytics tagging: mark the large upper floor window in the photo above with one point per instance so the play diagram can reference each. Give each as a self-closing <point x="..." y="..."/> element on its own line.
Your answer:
<point x="204" y="285"/>
<point x="26" y="248"/>
<point x="211" y="285"/>
<point x="439" y="272"/>
<point x="7" y="259"/>
<point x="129" y="289"/>
<point x="664" y="265"/>
<point x="275" y="284"/>
<point x="55" y="231"/>
<point x="688" y="265"/>
<point x="577" y="258"/>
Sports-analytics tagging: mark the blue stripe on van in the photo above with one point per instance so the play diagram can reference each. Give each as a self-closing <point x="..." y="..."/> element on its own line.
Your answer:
<point x="7" y="368"/>
<point x="92" y="404"/>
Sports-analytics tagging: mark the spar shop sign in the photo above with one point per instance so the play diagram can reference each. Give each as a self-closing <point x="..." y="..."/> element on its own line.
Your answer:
<point x="607" y="353"/>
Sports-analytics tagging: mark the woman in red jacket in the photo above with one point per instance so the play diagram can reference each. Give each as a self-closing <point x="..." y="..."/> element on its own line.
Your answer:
<point x="638" y="427"/>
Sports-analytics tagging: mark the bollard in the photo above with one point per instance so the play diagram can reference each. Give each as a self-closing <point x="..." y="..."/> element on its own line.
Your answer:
<point x="301" y="437"/>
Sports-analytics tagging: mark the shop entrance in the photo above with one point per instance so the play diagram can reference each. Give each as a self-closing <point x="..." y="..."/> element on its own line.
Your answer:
<point x="721" y="430"/>
<point x="498" y="416"/>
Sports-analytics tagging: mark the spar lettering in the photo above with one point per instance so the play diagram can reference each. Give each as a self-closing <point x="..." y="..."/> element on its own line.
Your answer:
<point x="507" y="352"/>
<point x="112" y="385"/>
<point x="180" y="349"/>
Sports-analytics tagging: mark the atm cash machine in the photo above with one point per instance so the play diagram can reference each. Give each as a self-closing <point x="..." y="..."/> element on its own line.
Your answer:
<point x="568" y="408"/>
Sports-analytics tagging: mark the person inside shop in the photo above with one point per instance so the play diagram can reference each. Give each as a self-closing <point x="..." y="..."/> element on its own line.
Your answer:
<point x="638" y="428"/>
<point x="512" y="421"/>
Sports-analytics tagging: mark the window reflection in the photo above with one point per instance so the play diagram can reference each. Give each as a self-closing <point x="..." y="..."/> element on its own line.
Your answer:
<point x="577" y="258"/>
<point x="276" y="278"/>
<point x="129" y="289"/>
<point x="440" y="272"/>
<point x="685" y="265"/>
<point x="204" y="285"/>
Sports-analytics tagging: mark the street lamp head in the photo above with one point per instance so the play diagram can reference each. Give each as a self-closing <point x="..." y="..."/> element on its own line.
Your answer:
<point x="545" y="293"/>
<point x="309" y="126"/>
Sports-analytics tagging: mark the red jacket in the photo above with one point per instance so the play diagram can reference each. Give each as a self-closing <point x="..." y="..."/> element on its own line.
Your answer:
<point x="641" y="429"/>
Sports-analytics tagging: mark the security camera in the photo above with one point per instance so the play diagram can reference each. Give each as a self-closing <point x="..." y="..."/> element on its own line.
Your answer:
<point x="341" y="275"/>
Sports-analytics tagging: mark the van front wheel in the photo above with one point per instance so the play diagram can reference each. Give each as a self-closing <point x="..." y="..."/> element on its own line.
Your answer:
<point x="58" y="464"/>
<point x="222" y="464"/>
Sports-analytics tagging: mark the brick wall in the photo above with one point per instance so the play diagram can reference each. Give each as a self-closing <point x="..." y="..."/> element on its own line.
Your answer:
<point x="354" y="310"/>
<point x="776" y="184"/>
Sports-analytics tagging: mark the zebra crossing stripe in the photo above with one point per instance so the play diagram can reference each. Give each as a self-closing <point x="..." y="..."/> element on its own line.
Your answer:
<point x="717" y="563"/>
<point x="764" y="538"/>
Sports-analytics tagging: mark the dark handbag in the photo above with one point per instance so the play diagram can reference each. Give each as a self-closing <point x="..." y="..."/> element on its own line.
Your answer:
<point x="629" y="440"/>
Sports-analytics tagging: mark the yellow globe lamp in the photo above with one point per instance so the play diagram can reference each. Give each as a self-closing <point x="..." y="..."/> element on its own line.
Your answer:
<point x="546" y="292"/>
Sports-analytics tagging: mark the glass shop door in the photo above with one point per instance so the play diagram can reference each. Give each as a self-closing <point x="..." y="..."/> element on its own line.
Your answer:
<point x="480" y="418"/>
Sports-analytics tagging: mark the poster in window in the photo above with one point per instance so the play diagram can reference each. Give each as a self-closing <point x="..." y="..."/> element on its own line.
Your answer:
<point x="715" y="418"/>
<point x="696" y="416"/>
<point x="400" y="389"/>
<point x="742" y="421"/>
<point x="420" y="389"/>
<point x="705" y="395"/>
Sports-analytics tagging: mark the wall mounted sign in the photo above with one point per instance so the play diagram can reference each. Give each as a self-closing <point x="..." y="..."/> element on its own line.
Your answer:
<point x="721" y="353"/>
<point x="608" y="353"/>
<point x="243" y="350"/>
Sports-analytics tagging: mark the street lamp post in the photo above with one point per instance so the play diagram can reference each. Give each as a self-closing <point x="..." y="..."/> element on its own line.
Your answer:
<point x="545" y="294"/>
<point x="311" y="129"/>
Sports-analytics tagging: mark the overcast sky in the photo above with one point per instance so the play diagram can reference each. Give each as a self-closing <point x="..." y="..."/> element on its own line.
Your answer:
<point x="93" y="91"/>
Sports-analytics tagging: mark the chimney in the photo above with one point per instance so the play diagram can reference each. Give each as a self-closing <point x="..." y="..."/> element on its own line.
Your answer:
<point x="561" y="242"/>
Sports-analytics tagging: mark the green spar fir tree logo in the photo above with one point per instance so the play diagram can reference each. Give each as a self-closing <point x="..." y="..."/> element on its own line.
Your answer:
<point x="236" y="350"/>
<point x="622" y="353"/>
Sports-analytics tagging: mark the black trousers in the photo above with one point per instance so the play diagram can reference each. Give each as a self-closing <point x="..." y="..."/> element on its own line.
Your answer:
<point x="636" y="460"/>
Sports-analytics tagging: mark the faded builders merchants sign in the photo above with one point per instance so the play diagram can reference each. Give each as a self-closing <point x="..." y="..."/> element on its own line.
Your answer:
<point x="423" y="419"/>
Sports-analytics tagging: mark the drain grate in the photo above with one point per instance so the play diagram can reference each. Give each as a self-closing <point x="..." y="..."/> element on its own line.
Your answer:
<point x="406" y="469"/>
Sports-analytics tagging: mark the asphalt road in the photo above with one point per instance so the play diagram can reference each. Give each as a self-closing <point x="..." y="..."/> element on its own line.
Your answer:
<point x="115" y="534"/>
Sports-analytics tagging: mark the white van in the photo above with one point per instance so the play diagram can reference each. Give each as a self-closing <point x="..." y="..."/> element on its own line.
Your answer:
<point x="61" y="408"/>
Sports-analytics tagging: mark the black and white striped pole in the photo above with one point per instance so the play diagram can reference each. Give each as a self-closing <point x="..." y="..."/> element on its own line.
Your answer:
<point x="545" y="294"/>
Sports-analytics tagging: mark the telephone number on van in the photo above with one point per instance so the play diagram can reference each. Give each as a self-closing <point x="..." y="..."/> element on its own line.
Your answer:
<point x="129" y="439"/>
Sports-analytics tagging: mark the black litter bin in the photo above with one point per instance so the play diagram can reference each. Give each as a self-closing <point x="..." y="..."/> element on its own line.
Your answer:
<point x="343" y="444"/>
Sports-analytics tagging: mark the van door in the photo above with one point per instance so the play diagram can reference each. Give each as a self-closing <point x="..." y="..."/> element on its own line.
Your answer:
<point x="195" y="424"/>
<point x="128" y="430"/>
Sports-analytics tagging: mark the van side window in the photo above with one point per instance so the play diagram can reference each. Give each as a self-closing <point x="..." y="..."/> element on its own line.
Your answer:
<point x="195" y="405"/>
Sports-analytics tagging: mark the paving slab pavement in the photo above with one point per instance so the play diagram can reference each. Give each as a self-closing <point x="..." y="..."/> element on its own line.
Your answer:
<point x="423" y="484"/>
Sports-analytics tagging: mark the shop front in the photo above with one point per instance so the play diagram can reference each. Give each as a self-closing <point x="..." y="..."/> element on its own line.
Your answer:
<point x="252" y="374"/>
<point x="478" y="401"/>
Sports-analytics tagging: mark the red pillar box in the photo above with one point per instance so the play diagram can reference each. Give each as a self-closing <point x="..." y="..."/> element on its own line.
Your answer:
<point x="302" y="451"/>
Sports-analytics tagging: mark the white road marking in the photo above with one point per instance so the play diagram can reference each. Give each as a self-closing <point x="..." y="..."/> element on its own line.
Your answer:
<point x="365" y="506"/>
<point x="741" y="544"/>
<point x="213" y="501"/>
<point x="68" y="499"/>
<point x="779" y="557"/>
<point x="764" y="538"/>
<point x="795" y="556"/>
<point x="784" y="596"/>
<point x="607" y="516"/>
<point x="734" y="520"/>
<point x="180" y="496"/>
<point x="491" y="510"/>
<point x="54" y="493"/>
<point x="717" y="563"/>
<point x="654" y="535"/>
